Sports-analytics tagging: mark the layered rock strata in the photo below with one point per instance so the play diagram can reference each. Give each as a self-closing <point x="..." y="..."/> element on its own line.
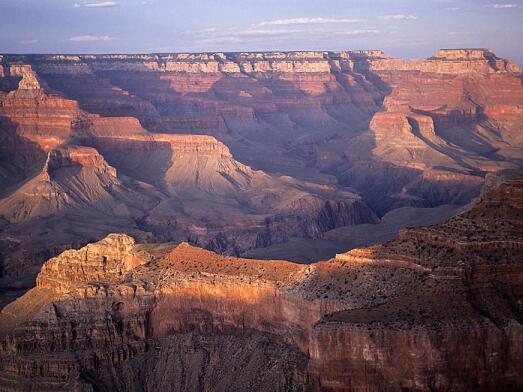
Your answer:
<point x="274" y="145"/>
<point x="417" y="313"/>
<point x="110" y="173"/>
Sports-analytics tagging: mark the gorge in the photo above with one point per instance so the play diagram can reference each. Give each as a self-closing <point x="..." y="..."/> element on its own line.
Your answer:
<point x="237" y="152"/>
<point x="439" y="308"/>
<point x="265" y="221"/>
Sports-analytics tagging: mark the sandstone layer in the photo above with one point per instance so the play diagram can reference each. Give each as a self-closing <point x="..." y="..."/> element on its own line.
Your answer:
<point x="237" y="151"/>
<point x="437" y="309"/>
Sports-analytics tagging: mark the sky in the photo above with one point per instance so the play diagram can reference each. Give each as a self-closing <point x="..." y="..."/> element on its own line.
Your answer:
<point x="403" y="28"/>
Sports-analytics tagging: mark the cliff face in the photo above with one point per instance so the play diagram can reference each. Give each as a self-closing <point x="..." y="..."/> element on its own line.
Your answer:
<point x="106" y="261"/>
<point x="325" y="98"/>
<point x="75" y="179"/>
<point x="113" y="174"/>
<point x="417" y="313"/>
<point x="233" y="151"/>
<point x="464" y="61"/>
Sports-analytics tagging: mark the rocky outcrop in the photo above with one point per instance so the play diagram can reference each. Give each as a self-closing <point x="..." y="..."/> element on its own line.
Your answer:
<point x="75" y="196"/>
<point x="193" y="161"/>
<point x="200" y="169"/>
<point x="72" y="178"/>
<point x="106" y="261"/>
<point x="413" y="313"/>
<point x="79" y="156"/>
<point x="345" y="85"/>
<point x="28" y="79"/>
<point x="450" y="61"/>
<point x="170" y="187"/>
<point x="406" y="139"/>
<point x="233" y="151"/>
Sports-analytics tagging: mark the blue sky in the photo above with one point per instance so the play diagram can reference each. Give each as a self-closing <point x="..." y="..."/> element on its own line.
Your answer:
<point x="403" y="28"/>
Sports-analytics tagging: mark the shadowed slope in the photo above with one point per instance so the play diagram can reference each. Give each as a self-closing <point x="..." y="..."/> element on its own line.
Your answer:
<point x="318" y="140"/>
<point x="74" y="179"/>
<point x="407" y="314"/>
<point x="156" y="186"/>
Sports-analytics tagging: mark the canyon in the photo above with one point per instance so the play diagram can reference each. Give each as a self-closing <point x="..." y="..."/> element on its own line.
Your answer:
<point x="240" y="153"/>
<point x="438" y="308"/>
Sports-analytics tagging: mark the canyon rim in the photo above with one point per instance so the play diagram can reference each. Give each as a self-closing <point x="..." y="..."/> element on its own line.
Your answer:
<point x="232" y="215"/>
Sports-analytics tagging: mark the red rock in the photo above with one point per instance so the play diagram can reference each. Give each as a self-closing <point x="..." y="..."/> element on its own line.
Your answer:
<point x="414" y="313"/>
<point x="290" y="131"/>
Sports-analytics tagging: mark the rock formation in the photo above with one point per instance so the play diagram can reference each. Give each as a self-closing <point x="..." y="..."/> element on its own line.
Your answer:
<point x="437" y="309"/>
<point x="235" y="151"/>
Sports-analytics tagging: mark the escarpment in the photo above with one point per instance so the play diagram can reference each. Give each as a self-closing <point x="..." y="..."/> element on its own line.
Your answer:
<point x="407" y="314"/>
<point x="107" y="261"/>
<point x="74" y="179"/>
<point x="235" y="151"/>
<point x="162" y="186"/>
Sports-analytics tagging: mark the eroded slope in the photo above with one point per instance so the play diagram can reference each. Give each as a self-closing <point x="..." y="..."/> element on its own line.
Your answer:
<point x="431" y="310"/>
<point x="236" y="151"/>
<point x="71" y="177"/>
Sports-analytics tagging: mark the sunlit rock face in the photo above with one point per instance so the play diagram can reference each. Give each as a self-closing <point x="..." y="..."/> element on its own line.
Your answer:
<point x="237" y="151"/>
<point x="439" y="308"/>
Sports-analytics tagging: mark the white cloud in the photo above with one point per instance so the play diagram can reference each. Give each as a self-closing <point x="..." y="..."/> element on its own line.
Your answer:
<point x="103" y="4"/>
<point x="398" y="17"/>
<point x="91" y="38"/>
<point x="275" y="34"/>
<point x="29" y="41"/>
<point x="270" y="31"/>
<point x="358" y="32"/>
<point x="281" y="29"/>
<point x="303" y="21"/>
<point x="453" y="9"/>
<point x="503" y="6"/>
<point x="278" y="32"/>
